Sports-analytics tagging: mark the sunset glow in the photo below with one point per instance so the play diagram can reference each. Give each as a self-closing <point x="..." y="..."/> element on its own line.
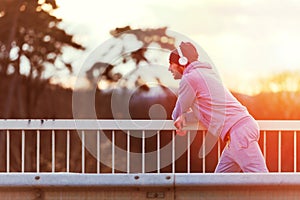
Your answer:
<point x="246" y="40"/>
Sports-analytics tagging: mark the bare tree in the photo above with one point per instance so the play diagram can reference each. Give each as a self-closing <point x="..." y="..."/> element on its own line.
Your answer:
<point x="103" y="70"/>
<point x="30" y="35"/>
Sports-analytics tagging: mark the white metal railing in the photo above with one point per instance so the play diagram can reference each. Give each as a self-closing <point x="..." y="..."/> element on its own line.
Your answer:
<point x="128" y="146"/>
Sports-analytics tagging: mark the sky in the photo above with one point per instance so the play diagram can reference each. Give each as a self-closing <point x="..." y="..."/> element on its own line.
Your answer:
<point x="245" y="39"/>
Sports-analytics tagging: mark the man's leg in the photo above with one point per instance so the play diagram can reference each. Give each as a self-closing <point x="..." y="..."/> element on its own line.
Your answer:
<point x="251" y="159"/>
<point x="227" y="163"/>
<point x="245" y="149"/>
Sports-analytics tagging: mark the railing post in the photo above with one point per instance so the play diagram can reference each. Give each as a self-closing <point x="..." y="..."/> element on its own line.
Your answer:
<point x="38" y="151"/>
<point x="295" y="151"/>
<point x="158" y="151"/>
<point x="265" y="145"/>
<point x="128" y="152"/>
<point x="279" y="151"/>
<point x="203" y="154"/>
<point x="113" y="151"/>
<point x="7" y="151"/>
<point x="143" y="151"/>
<point x="53" y="151"/>
<point x="173" y="151"/>
<point x="68" y="151"/>
<point x="219" y="149"/>
<point x="188" y="151"/>
<point x="23" y="152"/>
<point x="82" y="151"/>
<point x="98" y="152"/>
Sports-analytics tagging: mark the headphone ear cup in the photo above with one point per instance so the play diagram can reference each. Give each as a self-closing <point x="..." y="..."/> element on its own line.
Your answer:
<point x="183" y="60"/>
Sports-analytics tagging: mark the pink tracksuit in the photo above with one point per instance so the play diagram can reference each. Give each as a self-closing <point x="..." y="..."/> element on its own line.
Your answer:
<point x="203" y="96"/>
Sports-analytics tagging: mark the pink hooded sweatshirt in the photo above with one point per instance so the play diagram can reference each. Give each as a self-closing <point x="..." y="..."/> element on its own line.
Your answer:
<point x="203" y="96"/>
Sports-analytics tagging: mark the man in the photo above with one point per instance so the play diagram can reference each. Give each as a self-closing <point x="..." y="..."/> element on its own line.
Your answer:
<point x="202" y="96"/>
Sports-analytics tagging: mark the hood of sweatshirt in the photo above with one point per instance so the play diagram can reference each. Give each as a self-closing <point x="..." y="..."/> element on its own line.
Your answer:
<point x="195" y="65"/>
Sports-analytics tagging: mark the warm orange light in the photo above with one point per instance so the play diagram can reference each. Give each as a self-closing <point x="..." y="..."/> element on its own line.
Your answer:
<point x="285" y="81"/>
<point x="280" y="82"/>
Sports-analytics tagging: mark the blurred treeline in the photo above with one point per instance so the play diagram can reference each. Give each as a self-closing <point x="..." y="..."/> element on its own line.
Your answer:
<point x="48" y="101"/>
<point x="55" y="102"/>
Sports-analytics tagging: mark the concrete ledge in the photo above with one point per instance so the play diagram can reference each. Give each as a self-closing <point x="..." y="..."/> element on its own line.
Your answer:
<point x="147" y="180"/>
<point x="85" y="180"/>
<point x="65" y="186"/>
<point x="237" y="179"/>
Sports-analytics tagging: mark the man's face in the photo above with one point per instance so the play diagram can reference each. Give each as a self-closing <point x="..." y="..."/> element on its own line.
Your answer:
<point x="176" y="70"/>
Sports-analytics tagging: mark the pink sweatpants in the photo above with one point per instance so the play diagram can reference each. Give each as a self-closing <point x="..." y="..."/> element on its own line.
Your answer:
<point x="242" y="152"/>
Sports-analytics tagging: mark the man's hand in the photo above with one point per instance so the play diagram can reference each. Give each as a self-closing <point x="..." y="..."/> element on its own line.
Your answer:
<point x="179" y="123"/>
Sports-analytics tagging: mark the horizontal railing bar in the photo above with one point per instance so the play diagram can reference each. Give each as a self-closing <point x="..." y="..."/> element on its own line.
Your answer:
<point x="106" y="124"/>
<point x="279" y="125"/>
<point x="86" y="124"/>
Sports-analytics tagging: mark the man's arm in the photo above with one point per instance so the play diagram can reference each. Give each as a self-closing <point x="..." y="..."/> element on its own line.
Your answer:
<point x="190" y="117"/>
<point x="185" y="99"/>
